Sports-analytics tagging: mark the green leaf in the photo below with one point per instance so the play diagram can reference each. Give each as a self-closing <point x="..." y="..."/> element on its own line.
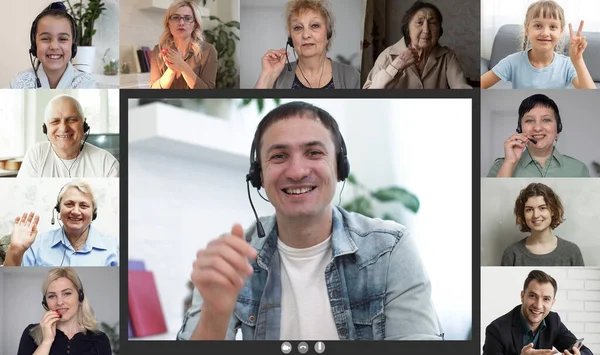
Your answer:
<point x="397" y="194"/>
<point x="209" y="36"/>
<point x="360" y="204"/>
<point x="277" y="101"/>
<point x="388" y="216"/>
<point x="230" y="48"/>
<point x="352" y="180"/>
<point x="233" y="24"/>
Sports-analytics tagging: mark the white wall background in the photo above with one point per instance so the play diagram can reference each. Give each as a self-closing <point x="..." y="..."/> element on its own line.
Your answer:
<point x="264" y="27"/>
<point x="39" y="195"/>
<point x="577" y="299"/>
<point x="177" y="203"/>
<point x="581" y="202"/>
<point x="22" y="115"/>
<point x="21" y="293"/>
<point x="17" y="17"/>
<point x="495" y="13"/>
<point x="578" y="111"/>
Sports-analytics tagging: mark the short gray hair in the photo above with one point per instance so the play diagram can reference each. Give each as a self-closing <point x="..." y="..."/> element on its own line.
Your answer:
<point x="48" y="110"/>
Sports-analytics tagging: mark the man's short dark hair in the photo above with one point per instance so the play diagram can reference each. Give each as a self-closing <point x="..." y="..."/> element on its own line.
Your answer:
<point x="296" y="109"/>
<point x="410" y="13"/>
<point x="541" y="277"/>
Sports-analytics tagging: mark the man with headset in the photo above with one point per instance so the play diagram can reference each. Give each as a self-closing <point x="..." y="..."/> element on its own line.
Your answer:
<point x="312" y="270"/>
<point x="532" y="152"/>
<point x="66" y="153"/>
<point x="76" y="243"/>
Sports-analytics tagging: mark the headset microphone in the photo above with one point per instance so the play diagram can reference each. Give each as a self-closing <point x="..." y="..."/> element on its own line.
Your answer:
<point x="532" y="140"/>
<point x="52" y="221"/>
<point x="291" y="44"/>
<point x="259" y="227"/>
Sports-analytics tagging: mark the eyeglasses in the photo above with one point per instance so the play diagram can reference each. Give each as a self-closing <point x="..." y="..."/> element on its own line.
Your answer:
<point x="177" y="18"/>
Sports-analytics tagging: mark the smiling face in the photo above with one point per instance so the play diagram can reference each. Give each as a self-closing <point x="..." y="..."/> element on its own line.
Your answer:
<point x="537" y="301"/>
<point x="53" y="40"/>
<point x="298" y="167"/>
<point x="76" y="210"/>
<point x="182" y="23"/>
<point x="62" y="297"/>
<point x="544" y="33"/>
<point x="537" y="213"/>
<point x="65" y="127"/>
<point x="308" y="30"/>
<point x="540" y="124"/>
<point x="424" y="29"/>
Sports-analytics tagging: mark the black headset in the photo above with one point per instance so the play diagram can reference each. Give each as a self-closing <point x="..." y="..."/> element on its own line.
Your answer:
<point x="86" y="132"/>
<point x="53" y="9"/>
<point x="79" y="292"/>
<point x="57" y="206"/>
<point x="558" y="123"/>
<point x="343" y="166"/>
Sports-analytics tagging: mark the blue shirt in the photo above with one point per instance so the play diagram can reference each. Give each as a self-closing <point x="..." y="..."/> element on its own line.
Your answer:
<point x="377" y="286"/>
<point x="517" y="69"/>
<point x="50" y="247"/>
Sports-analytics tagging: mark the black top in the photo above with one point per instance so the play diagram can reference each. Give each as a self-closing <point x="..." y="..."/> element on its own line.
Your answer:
<point x="297" y="84"/>
<point x="92" y="343"/>
<point x="505" y="335"/>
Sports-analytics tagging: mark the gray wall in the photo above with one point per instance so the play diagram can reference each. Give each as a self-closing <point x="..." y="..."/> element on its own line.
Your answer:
<point x="263" y="27"/>
<point x="21" y="294"/>
<point x="581" y="202"/>
<point x="578" y="111"/>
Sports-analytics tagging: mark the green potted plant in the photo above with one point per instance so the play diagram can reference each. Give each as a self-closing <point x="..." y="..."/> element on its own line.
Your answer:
<point x="365" y="201"/>
<point x="85" y="16"/>
<point x="224" y="37"/>
<point x="112" y="332"/>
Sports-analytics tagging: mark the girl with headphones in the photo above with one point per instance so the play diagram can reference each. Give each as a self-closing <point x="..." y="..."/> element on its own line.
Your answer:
<point x="69" y="325"/>
<point x="53" y="40"/>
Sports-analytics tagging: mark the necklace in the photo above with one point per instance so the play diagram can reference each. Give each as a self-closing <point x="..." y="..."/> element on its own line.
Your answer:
<point x="320" y="77"/>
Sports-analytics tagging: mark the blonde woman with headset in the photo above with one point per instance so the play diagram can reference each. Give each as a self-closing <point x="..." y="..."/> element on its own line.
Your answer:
<point x="69" y="325"/>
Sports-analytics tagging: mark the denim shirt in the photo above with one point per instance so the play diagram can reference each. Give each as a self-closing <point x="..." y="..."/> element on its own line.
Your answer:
<point x="378" y="288"/>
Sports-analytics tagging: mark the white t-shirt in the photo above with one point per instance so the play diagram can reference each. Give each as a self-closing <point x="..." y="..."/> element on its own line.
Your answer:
<point x="305" y="307"/>
<point x="42" y="161"/>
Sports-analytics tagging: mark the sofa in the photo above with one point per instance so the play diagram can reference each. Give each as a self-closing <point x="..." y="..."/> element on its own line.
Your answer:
<point x="507" y="42"/>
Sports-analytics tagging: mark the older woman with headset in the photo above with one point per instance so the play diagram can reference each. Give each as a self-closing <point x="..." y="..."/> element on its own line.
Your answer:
<point x="75" y="243"/>
<point x="532" y="151"/>
<point x="183" y="59"/>
<point x="69" y="325"/>
<point x="310" y="30"/>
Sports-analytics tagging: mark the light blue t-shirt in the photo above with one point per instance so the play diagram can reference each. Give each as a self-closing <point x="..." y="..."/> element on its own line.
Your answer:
<point x="52" y="248"/>
<point x="517" y="69"/>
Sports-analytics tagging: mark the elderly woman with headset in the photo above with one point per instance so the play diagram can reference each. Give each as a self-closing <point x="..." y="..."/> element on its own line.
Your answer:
<point x="183" y="59"/>
<point x="75" y="243"/>
<point x="310" y="29"/>
<point x="532" y="152"/>
<point x="69" y="325"/>
<point x="418" y="61"/>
